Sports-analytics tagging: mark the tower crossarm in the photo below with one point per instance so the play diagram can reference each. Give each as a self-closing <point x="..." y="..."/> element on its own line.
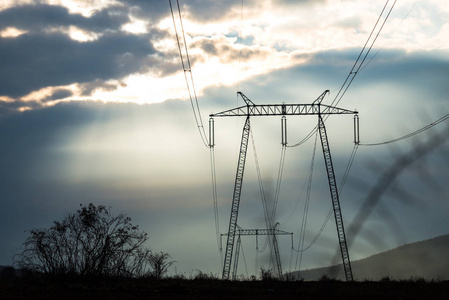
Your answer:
<point x="282" y="110"/>
<point x="273" y="232"/>
<point x="270" y="231"/>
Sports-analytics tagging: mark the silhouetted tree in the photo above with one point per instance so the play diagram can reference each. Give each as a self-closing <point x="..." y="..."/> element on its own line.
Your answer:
<point x="89" y="242"/>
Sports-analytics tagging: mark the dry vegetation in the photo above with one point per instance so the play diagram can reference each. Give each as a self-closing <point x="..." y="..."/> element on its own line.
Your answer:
<point x="39" y="283"/>
<point x="203" y="286"/>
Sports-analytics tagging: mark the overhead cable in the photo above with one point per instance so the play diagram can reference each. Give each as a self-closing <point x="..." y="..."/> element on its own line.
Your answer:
<point x="306" y="138"/>
<point x="302" y="232"/>
<point x="410" y="134"/>
<point x="186" y="66"/>
<point x="355" y="68"/>
<point x="214" y="195"/>
<point x="380" y="48"/>
<point x="278" y="184"/>
<point x="261" y="188"/>
<point x="329" y="214"/>
<point x="268" y="223"/>
<point x="348" y="167"/>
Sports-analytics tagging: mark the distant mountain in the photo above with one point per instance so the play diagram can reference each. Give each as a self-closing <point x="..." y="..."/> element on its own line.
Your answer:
<point x="427" y="259"/>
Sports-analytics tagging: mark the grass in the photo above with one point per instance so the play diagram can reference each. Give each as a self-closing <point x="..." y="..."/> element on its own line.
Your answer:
<point x="208" y="286"/>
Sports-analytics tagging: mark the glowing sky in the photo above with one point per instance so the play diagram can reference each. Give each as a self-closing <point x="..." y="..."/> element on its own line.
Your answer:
<point x="94" y="108"/>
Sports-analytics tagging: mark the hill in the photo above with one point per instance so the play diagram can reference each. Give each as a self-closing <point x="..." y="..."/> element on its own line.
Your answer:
<point x="427" y="259"/>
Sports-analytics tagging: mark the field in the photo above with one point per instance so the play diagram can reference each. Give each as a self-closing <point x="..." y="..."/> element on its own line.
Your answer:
<point x="217" y="289"/>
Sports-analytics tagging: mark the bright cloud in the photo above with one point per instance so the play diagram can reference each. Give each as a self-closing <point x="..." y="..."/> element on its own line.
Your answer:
<point x="239" y="43"/>
<point x="11" y="32"/>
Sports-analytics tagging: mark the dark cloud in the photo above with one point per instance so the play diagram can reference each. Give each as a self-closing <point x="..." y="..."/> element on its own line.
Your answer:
<point x="31" y="62"/>
<point x="11" y="107"/>
<point x="213" y="11"/>
<point x="40" y="17"/>
<point x="424" y="70"/>
<point x="415" y="69"/>
<point x="148" y="9"/>
<point x="45" y="56"/>
<point x="60" y="94"/>
<point x="89" y="87"/>
<point x="227" y="53"/>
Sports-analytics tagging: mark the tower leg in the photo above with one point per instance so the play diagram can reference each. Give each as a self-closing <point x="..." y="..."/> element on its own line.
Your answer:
<point x="335" y="199"/>
<point x="236" y="200"/>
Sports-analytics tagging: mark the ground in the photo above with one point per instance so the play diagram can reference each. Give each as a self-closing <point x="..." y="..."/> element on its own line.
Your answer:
<point x="217" y="289"/>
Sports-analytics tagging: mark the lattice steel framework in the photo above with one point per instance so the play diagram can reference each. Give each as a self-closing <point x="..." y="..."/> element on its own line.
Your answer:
<point x="273" y="232"/>
<point x="335" y="199"/>
<point x="236" y="200"/>
<point x="251" y="109"/>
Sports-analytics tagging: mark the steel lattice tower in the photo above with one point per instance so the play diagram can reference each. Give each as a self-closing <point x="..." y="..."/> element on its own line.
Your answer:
<point x="251" y="109"/>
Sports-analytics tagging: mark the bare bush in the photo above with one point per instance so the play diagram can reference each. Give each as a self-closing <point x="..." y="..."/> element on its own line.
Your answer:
<point x="89" y="242"/>
<point x="160" y="264"/>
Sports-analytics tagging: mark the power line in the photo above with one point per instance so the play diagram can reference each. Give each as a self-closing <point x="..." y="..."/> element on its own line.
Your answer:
<point x="261" y="188"/>
<point x="240" y="43"/>
<point x="306" y="138"/>
<point x="214" y="195"/>
<point x="355" y="68"/>
<point x="306" y="208"/>
<point x="278" y="184"/>
<point x="410" y="134"/>
<point x="389" y="176"/>
<point x="268" y="221"/>
<point x="329" y="214"/>
<point x="186" y="66"/>
<point x="352" y="74"/>
<point x="403" y="19"/>
<point x="348" y="167"/>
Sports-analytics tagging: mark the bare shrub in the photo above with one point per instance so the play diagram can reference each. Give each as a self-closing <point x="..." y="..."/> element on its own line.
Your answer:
<point x="90" y="242"/>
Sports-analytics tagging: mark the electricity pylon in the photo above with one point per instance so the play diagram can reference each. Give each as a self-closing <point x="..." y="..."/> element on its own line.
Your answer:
<point x="251" y="109"/>
<point x="256" y="232"/>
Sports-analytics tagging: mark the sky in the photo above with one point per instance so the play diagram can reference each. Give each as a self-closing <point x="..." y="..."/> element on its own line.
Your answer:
<point x="94" y="108"/>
